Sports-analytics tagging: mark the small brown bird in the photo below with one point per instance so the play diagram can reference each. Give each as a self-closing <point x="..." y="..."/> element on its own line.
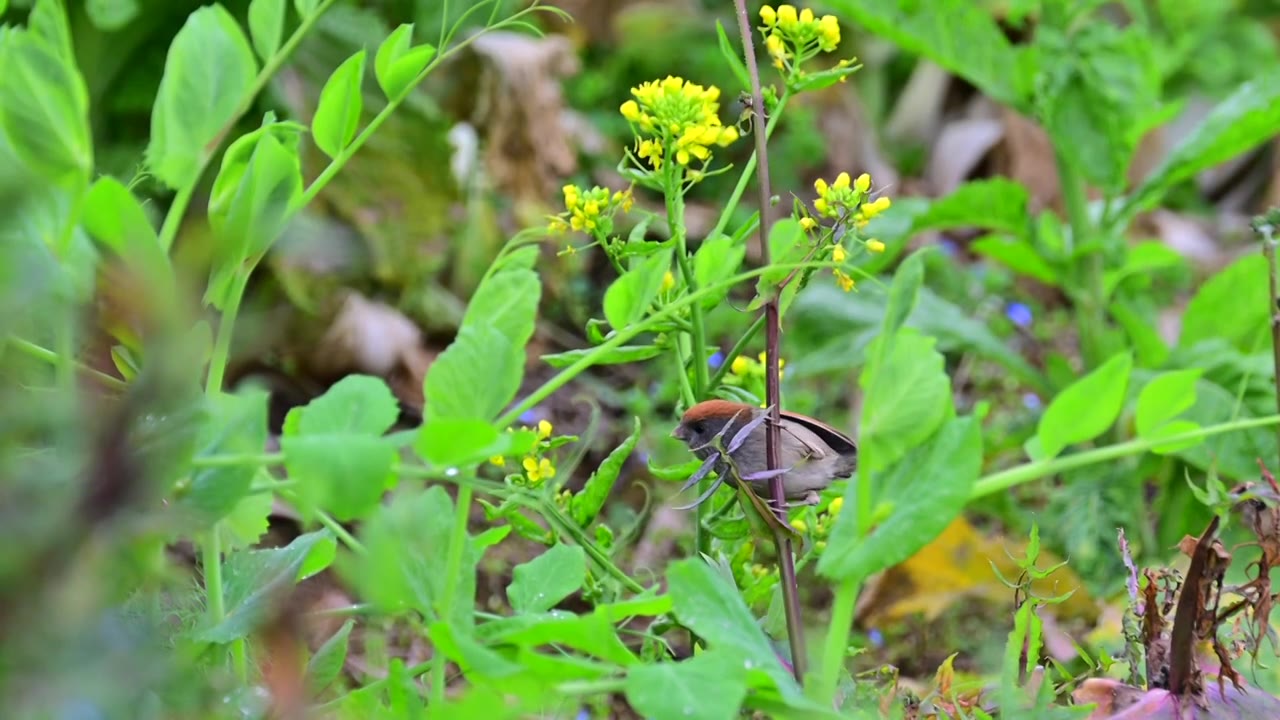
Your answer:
<point x="813" y="454"/>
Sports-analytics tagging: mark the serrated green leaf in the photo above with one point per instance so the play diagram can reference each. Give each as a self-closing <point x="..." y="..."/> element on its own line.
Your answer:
<point x="588" y="501"/>
<point x="252" y="580"/>
<point x="266" y="26"/>
<point x="927" y="488"/>
<point x="540" y="584"/>
<point x="208" y="73"/>
<point x="338" y="114"/>
<point x="1164" y="397"/>
<point x="1086" y="408"/>
<point x="247" y="523"/>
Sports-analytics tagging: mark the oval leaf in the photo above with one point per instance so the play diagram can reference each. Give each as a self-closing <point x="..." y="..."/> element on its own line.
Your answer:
<point x="1086" y="408"/>
<point x="266" y="26"/>
<point x="1165" y="397"/>
<point x="338" y="114"/>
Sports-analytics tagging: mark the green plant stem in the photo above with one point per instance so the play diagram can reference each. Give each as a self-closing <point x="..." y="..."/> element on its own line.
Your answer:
<point x="748" y="171"/>
<point x="340" y="532"/>
<point x="675" y="224"/>
<point x="837" y="640"/>
<point x="620" y="337"/>
<point x="1091" y="293"/>
<point x="1267" y="233"/>
<point x="738" y="348"/>
<point x="687" y="393"/>
<point x="1005" y="479"/>
<point x="44" y="354"/>
<point x="453" y="566"/>
<point x="226" y="328"/>
<point x="565" y="525"/>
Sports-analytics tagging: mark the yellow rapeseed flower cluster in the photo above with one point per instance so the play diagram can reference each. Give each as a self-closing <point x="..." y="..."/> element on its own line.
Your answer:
<point x="847" y="198"/>
<point x="821" y="523"/>
<point x="590" y="211"/>
<point x="794" y="36"/>
<point x="675" y="120"/>
<point x="743" y="366"/>
<point x="537" y="469"/>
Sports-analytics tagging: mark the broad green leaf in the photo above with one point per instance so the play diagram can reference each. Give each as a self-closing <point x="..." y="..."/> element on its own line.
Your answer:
<point x="475" y="377"/>
<point x="247" y="523"/>
<point x="1234" y="454"/>
<point x="110" y="15"/>
<point x="48" y="23"/>
<point x="1174" y="428"/>
<point x="238" y="426"/>
<point x="306" y="7"/>
<point x="1018" y="255"/>
<point x="593" y="634"/>
<point x="926" y="489"/>
<point x="322" y="555"/>
<point x="907" y="396"/>
<point x="628" y="297"/>
<point x="617" y="356"/>
<point x="586" y="503"/>
<point x="114" y="217"/>
<point x="397" y="64"/>
<point x="704" y="602"/>
<point x="1164" y="397"/>
<point x="338" y="113"/>
<point x="1247" y="118"/>
<point x="508" y="302"/>
<point x="334" y="449"/>
<point x="1143" y="259"/>
<point x="476" y="660"/>
<point x="327" y="662"/>
<point x="959" y="35"/>
<point x="1086" y="408"/>
<point x="44" y="103"/>
<point x="446" y="442"/>
<point x="680" y="690"/>
<point x="253" y="580"/>
<point x="787" y="244"/>
<point x="266" y="26"/>
<point x="541" y="583"/>
<point x="1231" y="305"/>
<point x="904" y="292"/>
<point x="993" y="204"/>
<point x="717" y="258"/>
<point x="406" y="563"/>
<point x="208" y="74"/>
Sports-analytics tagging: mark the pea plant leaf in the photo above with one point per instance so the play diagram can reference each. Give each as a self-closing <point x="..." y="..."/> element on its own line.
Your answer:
<point x="397" y="63"/>
<point x="1233" y="454"/>
<point x="1218" y="309"/>
<point x="253" y="580"/>
<point x="587" y="503"/>
<point x="208" y="73"/>
<point x="679" y="689"/>
<point x="266" y="26"/>
<point x="327" y="662"/>
<point x="717" y="258"/>
<point x="338" y="113"/>
<point x="334" y="447"/>
<point x="449" y="442"/>
<point x="480" y="372"/>
<point x="997" y="204"/>
<point x="628" y="297"/>
<point x="1164" y="397"/>
<point x="541" y="583"/>
<point x="907" y="396"/>
<point x="1086" y="408"/>
<point x="237" y="425"/>
<point x="926" y="489"/>
<point x="623" y="355"/>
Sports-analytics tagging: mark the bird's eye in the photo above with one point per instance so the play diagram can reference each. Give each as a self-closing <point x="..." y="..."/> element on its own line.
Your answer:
<point x="699" y="426"/>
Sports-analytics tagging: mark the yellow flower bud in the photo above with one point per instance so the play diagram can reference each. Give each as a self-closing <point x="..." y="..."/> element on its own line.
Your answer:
<point x="806" y="16"/>
<point x="863" y="183"/>
<point x="875" y="246"/>
<point x="740" y="366"/>
<point x="668" y="281"/>
<point x="842" y="181"/>
<point x="820" y="185"/>
<point x="799" y="525"/>
<point x="498" y="460"/>
<point x="808" y="223"/>
<point x="787" y="16"/>
<point x="835" y="506"/>
<point x="630" y="110"/>
<point x="544" y="429"/>
<point x="768" y="16"/>
<point x="838" y="254"/>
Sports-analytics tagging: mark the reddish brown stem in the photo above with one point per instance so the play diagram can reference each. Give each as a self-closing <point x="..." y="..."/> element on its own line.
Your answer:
<point x="773" y="331"/>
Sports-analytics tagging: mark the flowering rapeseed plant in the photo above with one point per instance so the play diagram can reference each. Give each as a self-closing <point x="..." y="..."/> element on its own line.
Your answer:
<point x="794" y="36"/>
<point x="848" y="202"/>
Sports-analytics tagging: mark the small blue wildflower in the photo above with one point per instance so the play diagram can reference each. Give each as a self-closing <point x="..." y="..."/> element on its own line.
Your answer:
<point x="1031" y="401"/>
<point x="1018" y="314"/>
<point x="716" y="360"/>
<point x="583" y="714"/>
<point x="948" y="247"/>
<point x="875" y="637"/>
<point x="530" y="417"/>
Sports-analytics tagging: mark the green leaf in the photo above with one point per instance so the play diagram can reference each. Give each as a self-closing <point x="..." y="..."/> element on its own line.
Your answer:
<point x="397" y="64"/>
<point x="1018" y="255"/>
<point x="266" y="26"/>
<point x="446" y="442"/>
<point x="322" y="555"/>
<point x="1174" y="428"/>
<point x="108" y="15"/>
<point x="405" y="565"/>
<point x="680" y="690"/>
<point x="247" y="523"/>
<point x="305" y="7"/>
<point x="1143" y="259"/>
<point x="732" y="58"/>
<point x="587" y="502"/>
<point x="628" y="297"/>
<point x="208" y="73"/>
<point x="1231" y="305"/>
<point x="480" y="372"/>
<point x="115" y="218"/>
<point x="338" y="114"/>
<point x="907" y="396"/>
<point x="593" y="634"/>
<point x="786" y="245"/>
<point x="704" y="602"/>
<point x="617" y="356"/>
<point x="717" y="258"/>
<point x="541" y="583"/>
<point x="904" y="292"/>
<point x="327" y="662"/>
<point x="253" y="579"/>
<point x="959" y="35"/>
<point x="1235" y="454"/>
<point x="1165" y="397"/>
<point x="927" y="489"/>
<point x="476" y="660"/>
<point x="250" y="205"/>
<point x="1086" y="408"/>
<point x="238" y="426"/>
<point x="1247" y="118"/>
<point x="334" y="449"/>
<point x="997" y="204"/>
<point x="44" y="103"/>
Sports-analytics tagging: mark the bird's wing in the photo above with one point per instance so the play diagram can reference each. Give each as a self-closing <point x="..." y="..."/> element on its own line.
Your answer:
<point x="810" y="445"/>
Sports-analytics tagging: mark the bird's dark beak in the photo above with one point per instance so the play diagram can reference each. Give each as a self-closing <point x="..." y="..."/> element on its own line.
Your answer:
<point x="680" y="433"/>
